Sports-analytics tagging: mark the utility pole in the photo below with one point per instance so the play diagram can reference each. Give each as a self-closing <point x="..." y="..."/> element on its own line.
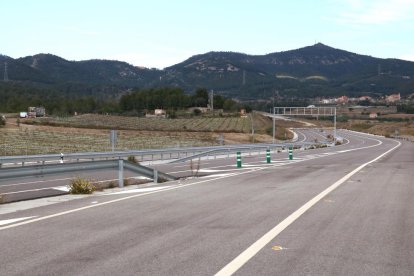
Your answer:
<point x="252" y="121"/>
<point x="335" y="125"/>
<point x="274" y="119"/>
<point x="6" y="76"/>
<point x="212" y="100"/>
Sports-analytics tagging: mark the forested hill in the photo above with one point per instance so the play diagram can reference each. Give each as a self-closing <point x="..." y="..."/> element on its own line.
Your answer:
<point x="54" y="71"/>
<point x="317" y="70"/>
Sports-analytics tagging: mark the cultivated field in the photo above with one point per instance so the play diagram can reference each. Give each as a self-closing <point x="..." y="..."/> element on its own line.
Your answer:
<point x="90" y="133"/>
<point x="42" y="140"/>
<point x="197" y="124"/>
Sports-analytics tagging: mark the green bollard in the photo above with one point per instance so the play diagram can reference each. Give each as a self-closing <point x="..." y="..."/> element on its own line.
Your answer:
<point x="239" y="160"/>
<point x="268" y="155"/>
<point x="290" y="153"/>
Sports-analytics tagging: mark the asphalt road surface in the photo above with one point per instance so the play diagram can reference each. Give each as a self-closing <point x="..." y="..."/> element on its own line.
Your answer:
<point x="336" y="211"/>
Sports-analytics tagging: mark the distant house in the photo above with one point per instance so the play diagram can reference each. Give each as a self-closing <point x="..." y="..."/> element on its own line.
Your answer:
<point x="365" y="98"/>
<point x="342" y="100"/>
<point x="36" y="111"/>
<point x="327" y="101"/>
<point x="373" y="115"/>
<point x="393" y="98"/>
<point x="243" y="113"/>
<point x="158" y="113"/>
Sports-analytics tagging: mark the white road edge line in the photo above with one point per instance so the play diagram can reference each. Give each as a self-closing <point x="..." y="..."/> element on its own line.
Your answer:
<point x="252" y="250"/>
<point x="8" y="221"/>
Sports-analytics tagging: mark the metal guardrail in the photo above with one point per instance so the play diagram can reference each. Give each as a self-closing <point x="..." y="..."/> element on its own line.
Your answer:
<point x="38" y="170"/>
<point x="145" y="155"/>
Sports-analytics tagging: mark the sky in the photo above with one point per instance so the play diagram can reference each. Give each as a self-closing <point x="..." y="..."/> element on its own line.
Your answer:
<point x="161" y="33"/>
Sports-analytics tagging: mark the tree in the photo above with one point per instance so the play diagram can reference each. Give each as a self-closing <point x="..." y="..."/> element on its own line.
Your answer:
<point x="201" y="97"/>
<point x="230" y="105"/>
<point x="218" y="101"/>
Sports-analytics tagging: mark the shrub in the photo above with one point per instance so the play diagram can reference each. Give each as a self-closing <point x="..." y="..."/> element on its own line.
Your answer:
<point x="2" y="120"/>
<point x="112" y="185"/>
<point x="197" y="112"/>
<point x="80" y="185"/>
<point x="133" y="159"/>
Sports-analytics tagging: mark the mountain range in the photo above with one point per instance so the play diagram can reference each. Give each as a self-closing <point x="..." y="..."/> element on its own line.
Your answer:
<point x="312" y="71"/>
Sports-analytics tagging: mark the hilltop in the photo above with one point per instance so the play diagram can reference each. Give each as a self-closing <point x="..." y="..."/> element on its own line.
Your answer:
<point x="317" y="70"/>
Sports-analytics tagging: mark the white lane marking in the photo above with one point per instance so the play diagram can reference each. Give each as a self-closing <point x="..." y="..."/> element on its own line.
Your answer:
<point x="304" y="136"/>
<point x="33" y="182"/>
<point x="8" y="221"/>
<point x="33" y="190"/>
<point x="61" y="188"/>
<point x="367" y="147"/>
<point x="250" y="166"/>
<point x="133" y="177"/>
<point x="216" y="175"/>
<point x="252" y="250"/>
<point x="212" y="171"/>
<point x="141" y="190"/>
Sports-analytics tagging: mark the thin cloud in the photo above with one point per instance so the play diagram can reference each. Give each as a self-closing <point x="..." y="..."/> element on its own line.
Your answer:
<point x="409" y="57"/>
<point x="376" y="12"/>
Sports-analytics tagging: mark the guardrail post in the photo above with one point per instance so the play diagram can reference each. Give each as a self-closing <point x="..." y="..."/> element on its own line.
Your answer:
<point x="290" y="153"/>
<point x="121" y="173"/>
<point x="268" y="155"/>
<point x="155" y="176"/>
<point x="239" y="162"/>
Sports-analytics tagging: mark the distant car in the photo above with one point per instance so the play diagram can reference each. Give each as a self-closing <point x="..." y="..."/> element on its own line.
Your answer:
<point x="311" y="106"/>
<point x="23" y="114"/>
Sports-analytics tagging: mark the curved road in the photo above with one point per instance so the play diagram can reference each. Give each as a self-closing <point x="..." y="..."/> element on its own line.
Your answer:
<point x="343" y="210"/>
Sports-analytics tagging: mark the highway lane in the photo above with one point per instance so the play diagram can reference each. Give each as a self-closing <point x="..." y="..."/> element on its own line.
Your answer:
<point x="199" y="226"/>
<point x="362" y="228"/>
